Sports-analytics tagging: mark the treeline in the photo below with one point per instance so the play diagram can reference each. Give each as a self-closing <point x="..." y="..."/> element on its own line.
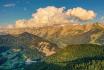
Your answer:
<point x="87" y="63"/>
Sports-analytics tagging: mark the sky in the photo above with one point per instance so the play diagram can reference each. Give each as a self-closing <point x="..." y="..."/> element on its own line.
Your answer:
<point x="12" y="10"/>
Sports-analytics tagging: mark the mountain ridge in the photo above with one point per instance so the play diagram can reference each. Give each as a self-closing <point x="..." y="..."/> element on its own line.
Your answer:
<point x="62" y="33"/>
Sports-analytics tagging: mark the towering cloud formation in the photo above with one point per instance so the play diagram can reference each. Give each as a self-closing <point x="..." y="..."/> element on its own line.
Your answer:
<point x="45" y="16"/>
<point x="52" y="15"/>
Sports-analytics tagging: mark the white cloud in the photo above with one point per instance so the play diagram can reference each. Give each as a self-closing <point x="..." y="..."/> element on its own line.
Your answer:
<point x="10" y="26"/>
<point x="50" y="15"/>
<point x="81" y="13"/>
<point x="53" y="15"/>
<point x="7" y="26"/>
<point x="20" y="23"/>
<point x="9" y="5"/>
<point x="45" y="16"/>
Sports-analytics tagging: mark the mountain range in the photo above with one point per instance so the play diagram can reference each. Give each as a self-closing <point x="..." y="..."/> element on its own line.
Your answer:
<point x="64" y="33"/>
<point x="58" y="45"/>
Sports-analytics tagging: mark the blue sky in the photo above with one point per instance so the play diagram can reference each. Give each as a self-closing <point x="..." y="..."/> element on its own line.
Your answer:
<point x="12" y="10"/>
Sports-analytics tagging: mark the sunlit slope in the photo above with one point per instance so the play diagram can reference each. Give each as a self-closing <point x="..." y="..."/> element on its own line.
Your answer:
<point x="74" y="57"/>
<point x="64" y="34"/>
<point x="72" y="52"/>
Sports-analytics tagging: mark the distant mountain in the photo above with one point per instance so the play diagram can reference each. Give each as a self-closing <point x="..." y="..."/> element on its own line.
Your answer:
<point x="27" y="41"/>
<point x="61" y="47"/>
<point x="15" y="50"/>
<point x="64" y="34"/>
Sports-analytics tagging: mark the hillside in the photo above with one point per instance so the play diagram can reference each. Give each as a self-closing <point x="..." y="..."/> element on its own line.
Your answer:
<point x="74" y="57"/>
<point x="63" y="47"/>
<point x="15" y="50"/>
<point x="27" y="42"/>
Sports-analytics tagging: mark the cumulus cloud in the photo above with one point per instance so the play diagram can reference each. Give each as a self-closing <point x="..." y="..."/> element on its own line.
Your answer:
<point x="10" y="26"/>
<point x="81" y="13"/>
<point x="9" y="5"/>
<point x="7" y="26"/>
<point x="21" y="23"/>
<point x="50" y="15"/>
<point x="53" y="15"/>
<point x="45" y="16"/>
